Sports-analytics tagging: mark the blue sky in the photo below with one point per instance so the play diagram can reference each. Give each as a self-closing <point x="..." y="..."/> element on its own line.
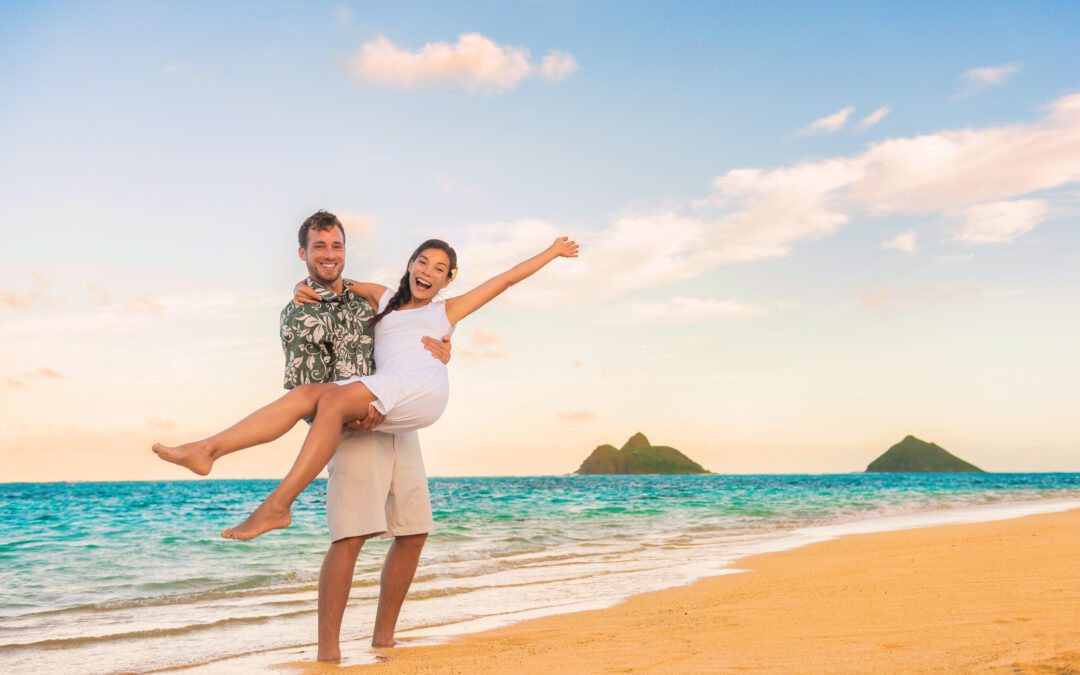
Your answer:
<point x="739" y="303"/>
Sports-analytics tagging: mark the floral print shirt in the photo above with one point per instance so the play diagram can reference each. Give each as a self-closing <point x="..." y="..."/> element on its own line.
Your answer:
<point x="329" y="341"/>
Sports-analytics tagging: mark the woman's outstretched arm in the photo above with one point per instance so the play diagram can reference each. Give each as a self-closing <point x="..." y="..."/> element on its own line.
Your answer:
<point x="463" y="305"/>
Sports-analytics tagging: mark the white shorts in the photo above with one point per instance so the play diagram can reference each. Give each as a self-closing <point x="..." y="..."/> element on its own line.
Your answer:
<point x="377" y="485"/>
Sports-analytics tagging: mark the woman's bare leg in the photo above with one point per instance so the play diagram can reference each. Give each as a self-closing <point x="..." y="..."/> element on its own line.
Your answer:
<point x="334" y="410"/>
<point x="262" y="426"/>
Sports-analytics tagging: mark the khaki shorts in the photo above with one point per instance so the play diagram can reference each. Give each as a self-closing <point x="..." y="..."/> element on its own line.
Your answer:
<point x="377" y="486"/>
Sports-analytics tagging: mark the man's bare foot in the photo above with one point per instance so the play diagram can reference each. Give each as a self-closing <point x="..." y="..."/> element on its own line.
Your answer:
<point x="329" y="657"/>
<point x="264" y="519"/>
<point x="392" y="642"/>
<point x="196" y="457"/>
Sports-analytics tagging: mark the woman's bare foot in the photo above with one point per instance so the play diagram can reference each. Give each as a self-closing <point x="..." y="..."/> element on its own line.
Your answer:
<point x="197" y="457"/>
<point x="264" y="519"/>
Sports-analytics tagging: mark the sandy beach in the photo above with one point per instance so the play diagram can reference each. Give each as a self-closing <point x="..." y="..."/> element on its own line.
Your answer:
<point x="999" y="596"/>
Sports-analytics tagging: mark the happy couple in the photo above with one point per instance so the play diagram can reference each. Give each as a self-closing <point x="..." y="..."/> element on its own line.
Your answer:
<point x="334" y="333"/>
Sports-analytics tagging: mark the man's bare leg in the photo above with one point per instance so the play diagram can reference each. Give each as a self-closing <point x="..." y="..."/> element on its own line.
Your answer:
<point x="397" y="575"/>
<point x="335" y="584"/>
<point x="335" y="408"/>
<point x="262" y="426"/>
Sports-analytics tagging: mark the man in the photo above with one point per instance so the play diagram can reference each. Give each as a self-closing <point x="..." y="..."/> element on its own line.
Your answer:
<point x="377" y="481"/>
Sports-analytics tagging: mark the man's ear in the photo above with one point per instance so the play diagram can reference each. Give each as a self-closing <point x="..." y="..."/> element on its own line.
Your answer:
<point x="303" y="254"/>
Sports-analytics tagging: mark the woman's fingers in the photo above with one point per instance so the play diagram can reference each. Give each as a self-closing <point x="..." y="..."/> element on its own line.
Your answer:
<point x="305" y="295"/>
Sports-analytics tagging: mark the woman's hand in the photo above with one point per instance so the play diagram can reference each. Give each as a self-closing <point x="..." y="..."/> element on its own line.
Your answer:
<point x="305" y="295"/>
<point x="564" y="248"/>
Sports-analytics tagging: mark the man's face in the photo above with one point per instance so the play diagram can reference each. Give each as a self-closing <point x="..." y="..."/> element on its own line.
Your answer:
<point x="324" y="255"/>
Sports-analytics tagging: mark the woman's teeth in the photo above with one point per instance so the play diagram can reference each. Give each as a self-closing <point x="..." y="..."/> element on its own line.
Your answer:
<point x="423" y="284"/>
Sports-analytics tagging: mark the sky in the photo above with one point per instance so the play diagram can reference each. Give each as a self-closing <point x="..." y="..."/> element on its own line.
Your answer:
<point x="808" y="229"/>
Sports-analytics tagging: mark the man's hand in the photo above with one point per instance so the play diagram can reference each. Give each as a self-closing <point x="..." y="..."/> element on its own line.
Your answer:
<point x="439" y="349"/>
<point x="374" y="418"/>
<point x="305" y="295"/>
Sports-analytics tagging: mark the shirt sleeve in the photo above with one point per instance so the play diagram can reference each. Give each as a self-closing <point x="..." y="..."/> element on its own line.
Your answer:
<point x="306" y="343"/>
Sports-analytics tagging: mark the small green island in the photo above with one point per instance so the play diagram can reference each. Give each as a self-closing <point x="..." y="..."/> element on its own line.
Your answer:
<point x="913" y="455"/>
<point x="638" y="456"/>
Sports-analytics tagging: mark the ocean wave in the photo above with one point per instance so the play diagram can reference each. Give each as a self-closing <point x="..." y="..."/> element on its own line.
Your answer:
<point x="566" y="539"/>
<point x="67" y="643"/>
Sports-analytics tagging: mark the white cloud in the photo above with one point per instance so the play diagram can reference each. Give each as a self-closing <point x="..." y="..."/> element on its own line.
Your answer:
<point x="181" y="71"/>
<point x="769" y="209"/>
<point x="141" y="314"/>
<point x="342" y="16"/>
<point x="359" y="227"/>
<point x="472" y="357"/>
<point x="558" y="66"/>
<point x="944" y="173"/>
<point x="874" y="117"/>
<point x="44" y="372"/>
<point x="687" y="309"/>
<point x="930" y="294"/>
<point x="147" y="304"/>
<point x="977" y="180"/>
<point x="160" y="423"/>
<point x="1000" y="222"/>
<point x="484" y="338"/>
<point x="959" y="257"/>
<point x="977" y="79"/>
<point x="452" y="187"/>
<point x="20" y="381"/>
<point x="829" y="124"/>
<point x="475" y="62"/>
<point x="491" y="248"/>
<point x="905" y="241"/>
<point x="38" y="296"/>
<point x="578" y="416"/>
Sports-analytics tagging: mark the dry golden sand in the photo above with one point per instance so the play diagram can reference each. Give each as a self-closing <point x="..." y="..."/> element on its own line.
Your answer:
<point x="1001" y="596"/>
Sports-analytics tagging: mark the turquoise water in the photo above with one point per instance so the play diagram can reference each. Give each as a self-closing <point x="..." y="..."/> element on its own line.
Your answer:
<point x="133" y="576"/>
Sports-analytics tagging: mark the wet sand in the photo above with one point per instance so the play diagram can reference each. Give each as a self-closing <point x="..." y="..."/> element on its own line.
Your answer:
<point x="999" y="596"/>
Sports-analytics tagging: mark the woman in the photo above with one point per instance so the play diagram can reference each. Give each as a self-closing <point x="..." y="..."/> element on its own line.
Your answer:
<point x="409" y="387"/>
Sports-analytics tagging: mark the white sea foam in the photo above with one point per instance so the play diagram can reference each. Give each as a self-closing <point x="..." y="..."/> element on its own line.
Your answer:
<point x="115" y="577"/>
<point x="600" y="580"/>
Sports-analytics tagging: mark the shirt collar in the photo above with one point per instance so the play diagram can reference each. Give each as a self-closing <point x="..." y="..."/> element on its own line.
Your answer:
<point x="326" y="294"/>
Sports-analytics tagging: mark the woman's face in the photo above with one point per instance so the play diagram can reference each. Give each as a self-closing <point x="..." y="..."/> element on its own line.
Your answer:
<point x="429" y="273"/>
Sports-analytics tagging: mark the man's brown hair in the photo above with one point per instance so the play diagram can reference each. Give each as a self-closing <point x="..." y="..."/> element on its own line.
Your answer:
<point x="321" y="221"/>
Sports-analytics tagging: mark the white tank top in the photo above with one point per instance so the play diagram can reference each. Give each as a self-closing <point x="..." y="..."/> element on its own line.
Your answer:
<point x="397" y="336"/>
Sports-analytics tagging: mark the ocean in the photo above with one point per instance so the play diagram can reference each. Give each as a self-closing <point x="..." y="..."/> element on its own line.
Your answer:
<point x="132" y="577"/>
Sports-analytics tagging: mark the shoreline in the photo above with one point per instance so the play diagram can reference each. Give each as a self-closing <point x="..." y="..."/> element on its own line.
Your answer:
<point x="736" y="621"/>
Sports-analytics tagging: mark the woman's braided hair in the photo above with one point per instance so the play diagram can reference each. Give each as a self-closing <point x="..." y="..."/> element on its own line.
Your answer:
<point x="403" y="294"/>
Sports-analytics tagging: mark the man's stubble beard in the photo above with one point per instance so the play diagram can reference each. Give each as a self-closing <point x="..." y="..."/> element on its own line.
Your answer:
<point x="316" y="274"/>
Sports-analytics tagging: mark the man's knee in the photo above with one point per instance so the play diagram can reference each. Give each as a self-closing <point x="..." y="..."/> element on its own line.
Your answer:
<point x="411" y="541"/>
